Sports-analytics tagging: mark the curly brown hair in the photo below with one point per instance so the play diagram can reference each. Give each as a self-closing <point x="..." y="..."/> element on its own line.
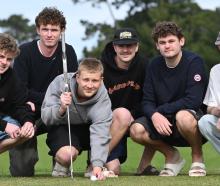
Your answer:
<point x="51" y="15"/>
<point x="8" y="44"/>
<point x="162" y="29"/>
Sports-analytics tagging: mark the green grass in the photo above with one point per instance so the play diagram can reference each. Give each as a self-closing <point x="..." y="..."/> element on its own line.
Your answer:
<point x="43" y="170"/>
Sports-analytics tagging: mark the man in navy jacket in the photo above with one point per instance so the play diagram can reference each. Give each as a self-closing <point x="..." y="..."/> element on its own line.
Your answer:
<point x="173" y="93"/>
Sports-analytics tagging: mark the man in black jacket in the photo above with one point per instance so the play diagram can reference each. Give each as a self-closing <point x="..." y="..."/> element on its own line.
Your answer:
<point x="124" y="72"/>
<point x="16" y="117"/>
<point x="39" y="62"/>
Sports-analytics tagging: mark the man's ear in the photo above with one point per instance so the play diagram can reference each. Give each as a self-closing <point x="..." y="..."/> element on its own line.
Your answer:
<point x="182" y="41"/>
<point x="137" y="47"/>
<point x="114" y="46"/>
<point x="77" y="75"/>
<point x="157" y="46"/>
<point x="38" y="30"/>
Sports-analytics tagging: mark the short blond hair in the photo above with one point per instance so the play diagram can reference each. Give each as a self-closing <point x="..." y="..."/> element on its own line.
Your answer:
<point x="92" y="65"/>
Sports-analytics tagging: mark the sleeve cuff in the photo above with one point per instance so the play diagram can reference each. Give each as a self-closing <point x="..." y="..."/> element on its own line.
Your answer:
<point x="97" y="163"/>
<point x="3" y="125"/>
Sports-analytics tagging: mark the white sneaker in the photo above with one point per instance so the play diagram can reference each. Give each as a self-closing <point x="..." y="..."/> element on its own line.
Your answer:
<point x="60" y="171"/>
<point x="88" y="172"/>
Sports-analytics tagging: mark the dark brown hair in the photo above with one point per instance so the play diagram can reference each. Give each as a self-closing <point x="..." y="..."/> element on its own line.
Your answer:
<point x="162" y="29"/>
<point x="51" y="15"/>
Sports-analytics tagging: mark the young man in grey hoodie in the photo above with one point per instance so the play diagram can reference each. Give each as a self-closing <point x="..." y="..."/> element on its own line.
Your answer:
<point x="90" y="116"/>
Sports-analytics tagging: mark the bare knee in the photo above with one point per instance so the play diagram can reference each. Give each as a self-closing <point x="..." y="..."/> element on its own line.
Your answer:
<point x="185" y="120"/>
<point x="122" y="117"/>
<point x="63" y="155"/>
<point x="137" y="131"/>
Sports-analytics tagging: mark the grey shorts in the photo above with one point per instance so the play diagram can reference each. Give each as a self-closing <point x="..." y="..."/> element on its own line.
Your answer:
<point x="175" y="139"/>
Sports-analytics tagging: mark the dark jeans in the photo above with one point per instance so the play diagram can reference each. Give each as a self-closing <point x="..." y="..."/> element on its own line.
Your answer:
<point x="23" y="157"/>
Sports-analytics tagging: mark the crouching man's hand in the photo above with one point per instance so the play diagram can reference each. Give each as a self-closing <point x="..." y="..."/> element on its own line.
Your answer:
<point x="32" y="105"/>
<point x="27" y="130"/>
<point x="97" y="171"/>
<point x="12" y="130"/>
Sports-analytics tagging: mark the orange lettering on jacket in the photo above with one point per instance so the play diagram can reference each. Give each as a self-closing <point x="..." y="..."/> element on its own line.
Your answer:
<point x="119" y="86"/>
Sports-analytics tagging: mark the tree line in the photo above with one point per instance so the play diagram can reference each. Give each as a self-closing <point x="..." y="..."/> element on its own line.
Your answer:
<point x="200" y="26"/>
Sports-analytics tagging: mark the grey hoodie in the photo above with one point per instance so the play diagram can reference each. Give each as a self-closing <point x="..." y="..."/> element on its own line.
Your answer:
<point x="96" y="111"/>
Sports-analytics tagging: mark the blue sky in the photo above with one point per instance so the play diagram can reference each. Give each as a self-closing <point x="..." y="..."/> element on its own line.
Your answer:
<point x="74" y="13"/>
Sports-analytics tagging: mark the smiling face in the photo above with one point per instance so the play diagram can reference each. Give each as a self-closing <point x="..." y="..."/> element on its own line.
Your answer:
<point x="49" y="35"/>
<point x="5" y="61"/>
<point x="170" y="46"/>
<point x="8" y="51"/>
<point x="125" y="53"/>
<point x="88" y="84"/>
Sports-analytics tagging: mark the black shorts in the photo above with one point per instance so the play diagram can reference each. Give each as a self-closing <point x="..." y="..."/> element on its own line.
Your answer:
<point x="58" y="136"/>
<point x="119" y="152"/>
<point x="175" y="139"/>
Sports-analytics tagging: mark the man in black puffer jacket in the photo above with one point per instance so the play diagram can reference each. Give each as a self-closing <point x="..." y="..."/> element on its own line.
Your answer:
<point x="16" y="117"/>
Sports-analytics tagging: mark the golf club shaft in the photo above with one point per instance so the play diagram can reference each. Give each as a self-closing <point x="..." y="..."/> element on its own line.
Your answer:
<point x="67" y="90"/>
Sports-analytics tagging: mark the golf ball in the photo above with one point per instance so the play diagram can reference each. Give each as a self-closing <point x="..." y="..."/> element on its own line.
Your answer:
<point x="93" y="178"/>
